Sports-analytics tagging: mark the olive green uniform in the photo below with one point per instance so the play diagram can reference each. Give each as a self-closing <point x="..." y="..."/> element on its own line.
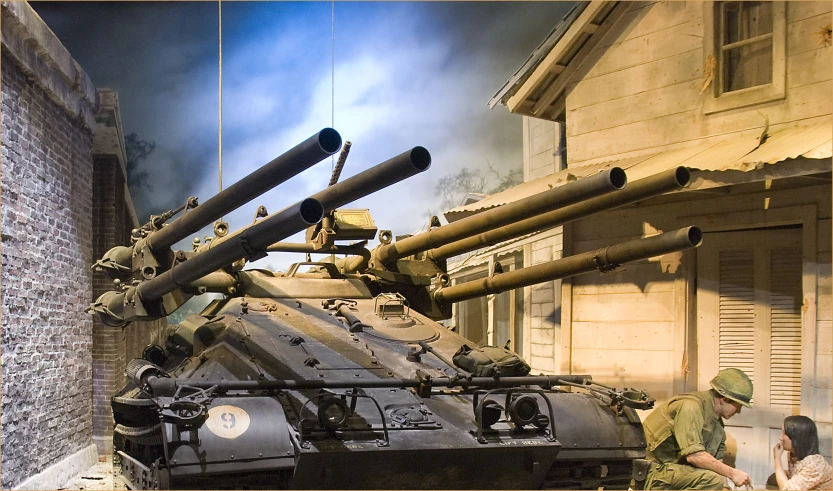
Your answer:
<point x="685" y="425"/>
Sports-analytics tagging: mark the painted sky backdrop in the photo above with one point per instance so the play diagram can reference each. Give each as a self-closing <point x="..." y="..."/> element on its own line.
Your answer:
<point x="405" y="74"/>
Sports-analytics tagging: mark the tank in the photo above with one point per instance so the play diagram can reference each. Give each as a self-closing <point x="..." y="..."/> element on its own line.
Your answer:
<point x="337" y="374"/>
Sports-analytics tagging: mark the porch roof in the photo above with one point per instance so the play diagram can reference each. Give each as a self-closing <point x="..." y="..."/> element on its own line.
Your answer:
<point x="741" y="157"/>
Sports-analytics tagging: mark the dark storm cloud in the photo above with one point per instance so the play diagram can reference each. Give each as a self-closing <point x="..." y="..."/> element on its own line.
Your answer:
<point x="158" y="56"/>
<point x="406" y="74"/>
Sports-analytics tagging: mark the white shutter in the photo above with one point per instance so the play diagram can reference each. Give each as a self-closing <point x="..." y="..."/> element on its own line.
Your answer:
<point x="785" y="332"/>
<point x="736" y="311"/>
<point x="750" y="298"/>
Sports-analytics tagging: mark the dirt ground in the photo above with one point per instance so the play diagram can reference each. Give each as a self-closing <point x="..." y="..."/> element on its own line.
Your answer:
<point x="100" y="476"/>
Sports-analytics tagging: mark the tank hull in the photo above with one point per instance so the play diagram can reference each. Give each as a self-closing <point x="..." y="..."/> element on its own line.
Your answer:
<point x="394" y="438"/>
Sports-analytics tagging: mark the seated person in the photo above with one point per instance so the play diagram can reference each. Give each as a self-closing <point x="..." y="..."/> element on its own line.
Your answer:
<point x="807" y="469"/>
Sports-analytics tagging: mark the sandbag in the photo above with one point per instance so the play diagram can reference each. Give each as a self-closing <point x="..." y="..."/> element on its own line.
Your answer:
<point x="490" y="361"/>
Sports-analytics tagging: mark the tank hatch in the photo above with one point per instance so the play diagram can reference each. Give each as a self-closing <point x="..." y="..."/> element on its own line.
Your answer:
<point x="391" y="320"/>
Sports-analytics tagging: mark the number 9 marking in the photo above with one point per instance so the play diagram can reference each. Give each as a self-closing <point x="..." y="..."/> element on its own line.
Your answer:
<point x="227" y="421"/>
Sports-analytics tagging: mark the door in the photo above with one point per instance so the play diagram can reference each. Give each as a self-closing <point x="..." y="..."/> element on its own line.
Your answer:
<point x="749" y="299"/>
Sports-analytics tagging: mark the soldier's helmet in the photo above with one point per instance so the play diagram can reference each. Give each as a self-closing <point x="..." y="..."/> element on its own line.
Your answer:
<point x="733" y="384"/>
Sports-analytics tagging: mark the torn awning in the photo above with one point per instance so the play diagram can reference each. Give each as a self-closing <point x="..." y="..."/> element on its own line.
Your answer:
<point x="741" y="157"/>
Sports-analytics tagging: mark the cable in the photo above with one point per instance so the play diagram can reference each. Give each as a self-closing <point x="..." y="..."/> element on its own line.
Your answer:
<point x="220" y="94"/>
<point x="220" y="97"/>
<point x="333" y="79"/>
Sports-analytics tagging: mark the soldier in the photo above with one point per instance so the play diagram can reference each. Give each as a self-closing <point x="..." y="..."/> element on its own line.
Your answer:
<point x="686" y="440"/>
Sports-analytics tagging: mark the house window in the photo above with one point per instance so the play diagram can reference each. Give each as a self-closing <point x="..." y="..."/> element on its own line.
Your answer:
<point x="493" y="319"/>
<point x="744" y="54"/>
<point x="745" y="45"/>
<point x="473" y="316"/>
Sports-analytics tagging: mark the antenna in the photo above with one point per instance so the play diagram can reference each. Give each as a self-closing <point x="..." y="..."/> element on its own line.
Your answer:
<point x="333" y="77"/>
<point x="220" y="95"/>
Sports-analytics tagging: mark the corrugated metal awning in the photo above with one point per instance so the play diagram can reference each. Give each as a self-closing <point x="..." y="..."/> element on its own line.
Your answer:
<point x="717" y="159"/>
<point x="481" y="256"/>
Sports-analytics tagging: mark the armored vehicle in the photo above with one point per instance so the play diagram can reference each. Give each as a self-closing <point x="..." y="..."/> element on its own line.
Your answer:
<point x="336" y="373"/>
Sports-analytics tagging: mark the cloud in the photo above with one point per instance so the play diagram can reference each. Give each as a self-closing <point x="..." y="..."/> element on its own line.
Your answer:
<point x="405" y="74"/>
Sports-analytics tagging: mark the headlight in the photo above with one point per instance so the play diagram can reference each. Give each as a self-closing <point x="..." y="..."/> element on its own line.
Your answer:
<point x="523" y="410"/>
<point x="332" y="413"/>
<point x="490" y="412"/>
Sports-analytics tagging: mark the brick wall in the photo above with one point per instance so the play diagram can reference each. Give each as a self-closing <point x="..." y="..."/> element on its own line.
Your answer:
<point x="112" y="347"/>
<point x="46" y="253"/>
<point x="108" y="342"/>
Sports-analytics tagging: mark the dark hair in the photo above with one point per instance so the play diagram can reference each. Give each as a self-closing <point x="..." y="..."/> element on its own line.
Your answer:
<point x="803" y="434"/>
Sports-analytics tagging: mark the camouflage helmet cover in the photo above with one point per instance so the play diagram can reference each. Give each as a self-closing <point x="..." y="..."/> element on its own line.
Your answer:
<point x="733" y="384"/>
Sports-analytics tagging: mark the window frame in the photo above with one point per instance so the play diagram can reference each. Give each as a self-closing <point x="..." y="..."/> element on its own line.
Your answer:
<point x="807" y="217"/>
<point x="509" y="261"/>
<point x="709" y="313"/>
<point x="717" y="100"/>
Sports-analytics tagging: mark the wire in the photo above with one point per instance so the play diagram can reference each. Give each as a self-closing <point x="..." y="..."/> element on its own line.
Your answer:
<point x="333" y="79"/>
<point x="220" y="95"/>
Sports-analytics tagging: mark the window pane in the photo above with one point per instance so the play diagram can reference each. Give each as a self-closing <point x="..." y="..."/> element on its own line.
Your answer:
<point x="731" y="22"/>
<point x="503" y="324"/>
<point x="747" y="66"/>
<point x="473" y="320"/>
<point x="744" y="20"/>
<point x="756" y="19"/>
<point x="517" y="346"/>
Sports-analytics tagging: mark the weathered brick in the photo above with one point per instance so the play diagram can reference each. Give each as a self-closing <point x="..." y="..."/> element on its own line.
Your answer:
<point x="47" y="247"/>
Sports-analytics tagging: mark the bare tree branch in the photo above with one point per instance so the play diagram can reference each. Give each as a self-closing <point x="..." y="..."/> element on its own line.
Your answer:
<point x="452" y="188"/>
<point x="137" y="151"/>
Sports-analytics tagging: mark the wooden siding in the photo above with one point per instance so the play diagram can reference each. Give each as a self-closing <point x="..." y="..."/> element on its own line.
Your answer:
<point x="625" y="326"/>
<point x="544" y="310"/>
<point x="642" y="87"/>
<point x="542" y="303"/>
<point x="541" y="142"/>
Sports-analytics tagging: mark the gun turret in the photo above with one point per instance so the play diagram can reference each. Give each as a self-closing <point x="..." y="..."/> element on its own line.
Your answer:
<point x="147" y="299"/>
<point x="166" y="279"/>
<point x="416" y="266"/>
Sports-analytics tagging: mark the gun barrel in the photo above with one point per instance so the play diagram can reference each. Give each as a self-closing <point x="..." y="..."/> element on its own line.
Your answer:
<point x="389" y="172"/>
<point x="609" y="180"/>
<point x="606" y="257"/>
<point x="167" y="385"/>
<point x="304" y="155"/>
<point x="670" y="180"/>
<point x="250" y="241"/>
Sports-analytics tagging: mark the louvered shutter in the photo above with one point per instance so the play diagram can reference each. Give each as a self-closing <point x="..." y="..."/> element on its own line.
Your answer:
<point x="736" y="311"/>
<point x="785" y="332"/>
<point x="753" y="291"/>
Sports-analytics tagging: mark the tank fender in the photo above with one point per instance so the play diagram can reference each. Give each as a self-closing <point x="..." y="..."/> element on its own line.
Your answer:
<point x="240" y="434"/>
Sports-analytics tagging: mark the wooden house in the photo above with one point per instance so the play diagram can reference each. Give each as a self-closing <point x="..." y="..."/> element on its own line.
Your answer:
<point x="741" y="94"/>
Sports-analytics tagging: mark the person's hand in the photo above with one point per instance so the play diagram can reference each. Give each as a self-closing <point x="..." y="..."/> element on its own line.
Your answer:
<point x="777" y="450"/>
<point x="740" y="478"/>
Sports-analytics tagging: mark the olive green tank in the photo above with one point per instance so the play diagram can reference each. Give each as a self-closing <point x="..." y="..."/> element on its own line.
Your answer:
<point x="336" y="374"/>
